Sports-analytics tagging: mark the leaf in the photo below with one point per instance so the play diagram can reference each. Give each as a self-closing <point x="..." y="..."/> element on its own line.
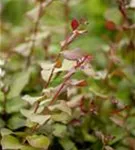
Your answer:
<point x="67" y="144"/>
<point x="23" y="49"/>
<point x="49" y="92"/>
<point x="14" y="105"/>
<point x="80" y="83"/>
<point x="110" y="15"/>
<point x="14" y="8"/>
<point x="47" y="68"/>
<point x="110" y="25"/>
<point x="62" y="106"/>
<point x="31" y="100"/>
<point x="26" y="113"/>
<point x="2" y="62"/>
<point x="88" y="137"/>
<point x="71" y="91"/>
<point x="16" y="122"/>
<point x="131" y="142"/>
<point x="33" y="14"/>
<point x="38" y="141"/>
<point x="61" y="117"/>
<point x="19" y="82"/>
<point x="73" y="55"/>
<point x="58" y="63"/>
<point x="132" y="4"/>
<point x="10" y="142"/>
<point x="117" y="120"/>
<point x="66" y="66"/>
<point x="108" y="148"/>
<point x="118" y="72"/>
<point x="28" y="148"/>
<point x="59" y="130"/>
<point x="5" y="131"/>
<point x="75" y="101"/>
<point x="100" y="75"/>
<point x="2" y="73"/>
<point x="40" y="119"/>
<point x="74" y="24"/>
<point x="2" y="123"/>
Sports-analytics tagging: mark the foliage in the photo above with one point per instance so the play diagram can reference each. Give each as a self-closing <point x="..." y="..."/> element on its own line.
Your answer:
<point x="67" y="72"/>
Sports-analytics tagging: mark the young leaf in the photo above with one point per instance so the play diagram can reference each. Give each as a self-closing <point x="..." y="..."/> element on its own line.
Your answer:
<point x="74" y="24"/>
<point x="110" y="25"/>
<point x="80" y="83"/>
<point x="73" y="55"/>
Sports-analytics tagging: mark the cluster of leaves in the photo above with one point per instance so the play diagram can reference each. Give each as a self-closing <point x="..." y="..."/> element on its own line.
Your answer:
<point x="66" y="81"/>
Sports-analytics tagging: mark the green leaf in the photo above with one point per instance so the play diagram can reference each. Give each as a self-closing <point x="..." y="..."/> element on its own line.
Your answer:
<point x="38" y="141"/>
<point x="5" y="131"/>
<point x="18" y="84"/>
<point x="61" y="117"/>
<point x="14" y="105"/>
<point x="40" y="119"/>
<point x="10" y="142"/>
<point x="29" y="148"/>
<point x="14" y="10"/>
<point x="111" y="12"/>
<point x="2" y="123"/>
<point x="47" y="68"/>
<point x="67" y="144"/>
<point x="62" y="106"/>
<point x="98" y="9"/>
<point x="15" y="122"/>
<point x="59" y="130"/>
<point x="31" y="100"/>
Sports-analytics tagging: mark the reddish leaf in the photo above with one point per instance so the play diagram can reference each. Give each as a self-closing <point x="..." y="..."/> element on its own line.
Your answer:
<point x="79" y="83"/>
<point x="73" y="55"/>
<point x="110" y="25"/>
<point x="74" y="24"/>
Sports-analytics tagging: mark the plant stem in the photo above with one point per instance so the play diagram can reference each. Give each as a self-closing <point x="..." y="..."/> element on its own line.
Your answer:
<point x="42" y="6"/>
<point x="64" y="82"/>
<point x="66" y="15"/>
<point x="35" y="30"/>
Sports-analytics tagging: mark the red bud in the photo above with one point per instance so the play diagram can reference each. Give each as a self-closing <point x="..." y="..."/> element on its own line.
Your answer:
<point x="110" y="25"/>
<point x="74" y="24"/>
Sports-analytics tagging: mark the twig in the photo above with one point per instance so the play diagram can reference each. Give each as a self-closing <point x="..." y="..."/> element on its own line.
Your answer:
<point x="34" y="35"/>
<point x="42" y="6"/>
<point x="66" y="15"/>
<point x="64" y="44"/>
<point x="64" y="82"/>
<point x="122" y="9"/>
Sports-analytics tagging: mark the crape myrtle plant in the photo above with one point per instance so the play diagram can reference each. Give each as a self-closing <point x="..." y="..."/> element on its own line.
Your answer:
<point x="56" y="94"/>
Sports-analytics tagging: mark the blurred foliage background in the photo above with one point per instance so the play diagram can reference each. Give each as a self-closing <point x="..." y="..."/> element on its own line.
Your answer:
<point x="111" y="41"/>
